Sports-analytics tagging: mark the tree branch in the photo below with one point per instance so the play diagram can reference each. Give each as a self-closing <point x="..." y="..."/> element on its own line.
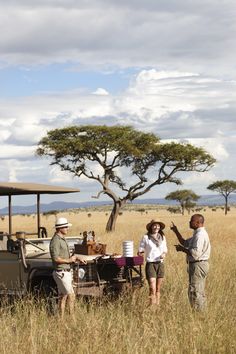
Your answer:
<point x="98" y="195"/>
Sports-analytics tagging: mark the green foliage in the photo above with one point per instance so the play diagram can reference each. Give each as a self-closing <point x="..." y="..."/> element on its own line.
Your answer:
<point x="225" y="188"/>
<point x="185" y="197"/>
<point x="73" y="147"/>
<point x="84" y="150"/>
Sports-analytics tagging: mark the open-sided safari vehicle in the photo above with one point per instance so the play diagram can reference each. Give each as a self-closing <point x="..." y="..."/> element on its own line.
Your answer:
<point x="26" y="266"/>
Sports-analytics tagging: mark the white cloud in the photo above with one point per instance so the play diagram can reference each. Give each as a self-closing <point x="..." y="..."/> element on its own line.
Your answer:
<point x="213" y="145"/>
<point x="16" y="169"/>
<point x="25" y="133"/>
<point x="183" y="54"/>
<point x="174" y="105"/>
<point x="58" y="176"/>
<point x="4" y="134"/>
<point x="101" y="91"/>
<point x="199" y="179"/>
<point x="15" y="151"/>
<point x="199" y="35"/>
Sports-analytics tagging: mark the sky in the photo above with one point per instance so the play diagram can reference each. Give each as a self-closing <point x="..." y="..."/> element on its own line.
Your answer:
<point x="166" y="67"/>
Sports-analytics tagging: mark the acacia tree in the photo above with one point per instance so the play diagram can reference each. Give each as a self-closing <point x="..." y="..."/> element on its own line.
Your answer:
<point x="105" y="154"/>
<point x="225" y="188"/>
<point x="185" y="197"/>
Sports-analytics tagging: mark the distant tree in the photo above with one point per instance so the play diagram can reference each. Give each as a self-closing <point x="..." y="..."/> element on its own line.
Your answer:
<point x="225" y="188"/>
<point x="185" y="197"/>
<point x="101" y="153"/>
<point x="174" y="210"/>
<point x="189" y="206"/>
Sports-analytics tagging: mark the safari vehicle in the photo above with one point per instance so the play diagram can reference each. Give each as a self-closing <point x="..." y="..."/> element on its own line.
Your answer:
<point x="26" y="266"/>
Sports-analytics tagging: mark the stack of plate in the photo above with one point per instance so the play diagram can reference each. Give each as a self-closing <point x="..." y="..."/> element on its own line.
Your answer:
<point x="128" y="248"/>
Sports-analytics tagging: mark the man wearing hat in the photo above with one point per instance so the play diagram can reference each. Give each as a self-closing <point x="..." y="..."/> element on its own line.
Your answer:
<point x="197" y="249"/>
<point x="62" y="261"/>
<point x="153" y="244"/>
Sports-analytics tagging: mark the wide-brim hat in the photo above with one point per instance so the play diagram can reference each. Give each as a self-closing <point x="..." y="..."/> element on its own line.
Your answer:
<point x="62" y="222"/>
<point x="152" y="222"/>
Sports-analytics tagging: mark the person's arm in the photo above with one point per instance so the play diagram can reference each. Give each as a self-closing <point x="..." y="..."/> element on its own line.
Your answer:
<point x="60" y="260"/>
<point x="164" y="248"/>
<point x="178" y="234"/>
<point x="196" y="250"/>
<point x="141" y="249"/>
<point x="180" y="248"/>
<point x="55" y="254"/>
<point x="80" y="260"/>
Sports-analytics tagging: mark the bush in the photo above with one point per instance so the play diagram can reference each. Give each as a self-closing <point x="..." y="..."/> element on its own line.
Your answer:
<point x="50" y="212"/>
<point x="141" y="210"/>
<point x="174" y="210"/>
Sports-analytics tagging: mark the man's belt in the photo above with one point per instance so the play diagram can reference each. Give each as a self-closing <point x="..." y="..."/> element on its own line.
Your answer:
<point x="202" y="260"/>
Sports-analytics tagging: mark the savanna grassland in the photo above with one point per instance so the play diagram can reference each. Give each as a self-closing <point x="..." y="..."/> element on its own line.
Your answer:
<point x="127" y="325"/>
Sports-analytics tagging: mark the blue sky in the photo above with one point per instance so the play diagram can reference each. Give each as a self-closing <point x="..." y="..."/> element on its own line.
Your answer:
<point x="27" y="81"/>
<point x="166" y="67"/>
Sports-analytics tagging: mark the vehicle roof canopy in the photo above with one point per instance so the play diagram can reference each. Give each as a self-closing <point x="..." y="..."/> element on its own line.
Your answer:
<point x="32" y="188"/>
<point x="9" y="189"/>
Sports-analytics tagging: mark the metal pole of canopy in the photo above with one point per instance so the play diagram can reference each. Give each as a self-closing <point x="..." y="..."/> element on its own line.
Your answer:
<point x="9" y="215"/>
<point x="38" y="214"/>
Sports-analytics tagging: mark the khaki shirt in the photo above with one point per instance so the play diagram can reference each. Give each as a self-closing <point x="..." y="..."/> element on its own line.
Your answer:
<point x="59" y="248"/>
<point x="198" y="245"/>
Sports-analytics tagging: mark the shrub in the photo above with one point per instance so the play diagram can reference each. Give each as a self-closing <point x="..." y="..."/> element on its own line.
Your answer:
<point x="174" y="210"/>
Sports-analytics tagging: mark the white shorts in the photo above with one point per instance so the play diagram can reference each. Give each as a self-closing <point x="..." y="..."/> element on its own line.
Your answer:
<point x="63" y="280"/>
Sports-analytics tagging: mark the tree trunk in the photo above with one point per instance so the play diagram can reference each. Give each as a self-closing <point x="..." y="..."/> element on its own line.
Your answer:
<point x="226" y="205"/>
<point x="111" y="223"/>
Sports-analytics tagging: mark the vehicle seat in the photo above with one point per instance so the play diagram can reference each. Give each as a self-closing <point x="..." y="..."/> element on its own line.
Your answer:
<point x="3" y="241"/>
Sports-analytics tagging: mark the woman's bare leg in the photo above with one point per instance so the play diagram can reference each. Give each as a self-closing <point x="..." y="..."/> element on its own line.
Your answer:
<point x="152" y="290"/>
<point x="158" y="290"/>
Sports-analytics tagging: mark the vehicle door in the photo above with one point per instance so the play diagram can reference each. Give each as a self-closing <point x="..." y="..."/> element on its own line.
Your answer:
<point x="10" y="270"/>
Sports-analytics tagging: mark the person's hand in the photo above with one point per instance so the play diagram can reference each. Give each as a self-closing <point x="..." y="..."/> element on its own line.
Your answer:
<point x="140" y="253"/>
<point x="162" y="256"/>
<point x="173" y="227"/>
<point x="81" y="260"/>
<point x="73" y="259"/>
<point x="179" y="248"/>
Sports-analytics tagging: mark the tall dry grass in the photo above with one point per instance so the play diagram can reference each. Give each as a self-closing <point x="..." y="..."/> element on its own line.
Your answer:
<point x="126" y="325"/>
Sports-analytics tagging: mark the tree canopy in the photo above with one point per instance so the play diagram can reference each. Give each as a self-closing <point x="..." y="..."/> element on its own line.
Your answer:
<point x="185" y="197"/>
<point x="225" y="188"/>
<point x="101" y="153"/>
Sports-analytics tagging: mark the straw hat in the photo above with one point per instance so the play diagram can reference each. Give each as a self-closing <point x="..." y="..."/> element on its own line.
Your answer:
<point x="61" y="222"/>
<point x="152" y="222"/>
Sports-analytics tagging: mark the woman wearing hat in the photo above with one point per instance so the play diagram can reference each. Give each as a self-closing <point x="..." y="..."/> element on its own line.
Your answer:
<point x="153" y="244"/>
